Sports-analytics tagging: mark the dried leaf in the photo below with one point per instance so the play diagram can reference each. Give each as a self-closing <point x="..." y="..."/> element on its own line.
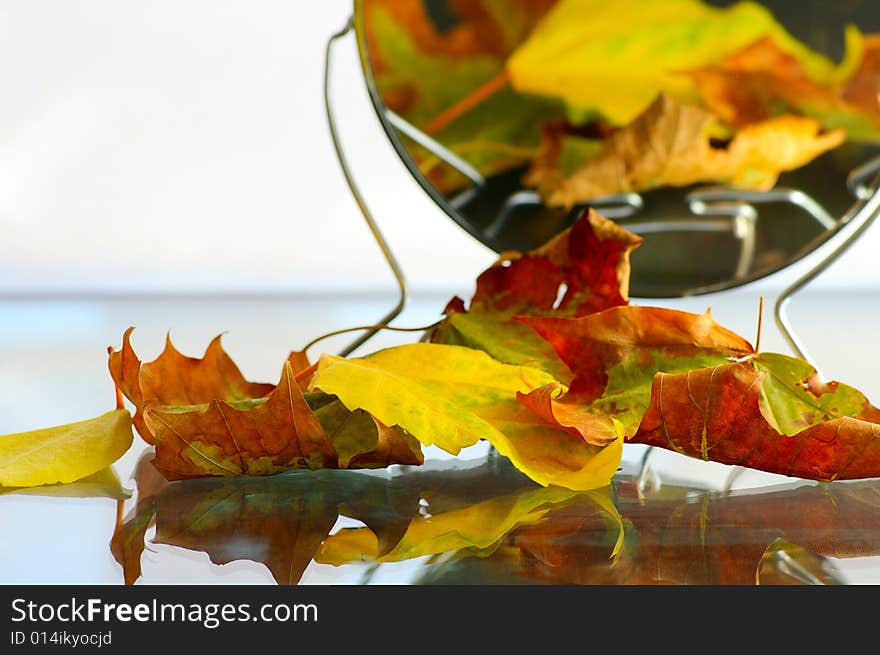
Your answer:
<point x="716" y="413"/>
<point x="452" y="397"/>
<point x="199" y="415"/>
<point x="65" y="453"/>
<point x="615" y="58"/>
<point x="670" y="144"/>
<point x="615" y="355"/>
<point x="762" y="81"/>
<point x="583" y="269"/>
<point x="173" y="379"/>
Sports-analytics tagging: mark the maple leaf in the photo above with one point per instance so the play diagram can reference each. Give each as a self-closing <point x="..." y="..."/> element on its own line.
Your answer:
<point x="206" y="419"/>
<point x="614" y="356"/>
<point x="584" y="269"/>
<point x="615" y="58"/>
<point x="671" y="144"/>
<point x="452" y="397"/>
<point x="725" y="413"/>
<point x="64" y="453"/>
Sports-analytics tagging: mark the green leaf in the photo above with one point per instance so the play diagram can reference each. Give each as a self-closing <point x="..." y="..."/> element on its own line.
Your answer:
<point x="502" y="338"/>
<point x="65" y="453"/>
<point x="793" y="397"/>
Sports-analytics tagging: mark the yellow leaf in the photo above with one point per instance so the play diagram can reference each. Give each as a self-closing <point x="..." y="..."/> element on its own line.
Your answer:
<point x="615" y="57"/>
<point x="452" y="397"/>
<point x="64" y="453"/>
<point x="478" y="526"/>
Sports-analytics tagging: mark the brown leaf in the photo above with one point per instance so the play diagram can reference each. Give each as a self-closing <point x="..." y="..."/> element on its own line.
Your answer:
<point x="203" y="422"/>
<point x="714" y="413"/>
<point x="762" y="80"/>
<point x="670" y="144"/>
<point x="173" y="379"/>
<point x="274" y="436"/>
<point x="862" y="90"/>
<point x="755" y="83"/>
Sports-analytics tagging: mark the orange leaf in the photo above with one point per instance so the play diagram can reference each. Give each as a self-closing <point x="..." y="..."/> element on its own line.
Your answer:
<point x="205" y="419"/>
<point x="714" y="413"/>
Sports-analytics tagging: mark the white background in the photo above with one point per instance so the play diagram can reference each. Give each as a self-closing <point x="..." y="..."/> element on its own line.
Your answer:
<point x="172" y="146"/>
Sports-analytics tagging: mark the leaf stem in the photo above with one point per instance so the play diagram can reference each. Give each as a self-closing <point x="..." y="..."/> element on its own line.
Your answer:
<point x="760" y="324"/>
<point x="467" y="103"/>
<point x="381" y="326"/>
<point x="120" y="402"/>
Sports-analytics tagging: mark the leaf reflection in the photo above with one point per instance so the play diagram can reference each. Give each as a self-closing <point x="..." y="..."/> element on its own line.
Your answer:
<point x="487" y="523"/>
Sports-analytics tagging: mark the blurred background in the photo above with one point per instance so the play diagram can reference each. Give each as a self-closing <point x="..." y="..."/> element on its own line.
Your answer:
<point x="178" y="148"/>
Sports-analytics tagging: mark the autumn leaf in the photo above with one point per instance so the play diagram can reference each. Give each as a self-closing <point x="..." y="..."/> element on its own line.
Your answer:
<point x="614" y="356"/>
<point x="689" y="535"/>
<point x="862" y="89"/>
<point x="477" y="526"/>
<point x="615" y="58"/>
<point x="765" y="415"/>
<point x="205" y="419"/>
<point x="584" y="269"/>
<point x="762" y="81"/>
<point x="281" y="521"/>
<point x="65" y="453"/>
<point x="452" y="397"/>
<point x="421" y="71"/>
<point x="671" y="144"/>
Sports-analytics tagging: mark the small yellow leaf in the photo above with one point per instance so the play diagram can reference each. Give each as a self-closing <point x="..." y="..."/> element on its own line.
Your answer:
<point x="64" y="453"/>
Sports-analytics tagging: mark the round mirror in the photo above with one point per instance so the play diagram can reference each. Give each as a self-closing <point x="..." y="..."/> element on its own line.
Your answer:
<point x="734" y="137"/>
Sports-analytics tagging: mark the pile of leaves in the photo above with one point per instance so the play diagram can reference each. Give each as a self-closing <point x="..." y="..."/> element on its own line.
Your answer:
<point x="592" y="98"/>
<point x="548" y="361"/>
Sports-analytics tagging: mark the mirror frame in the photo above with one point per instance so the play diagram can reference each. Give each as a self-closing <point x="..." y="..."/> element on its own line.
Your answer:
<point x="856" y="186"/>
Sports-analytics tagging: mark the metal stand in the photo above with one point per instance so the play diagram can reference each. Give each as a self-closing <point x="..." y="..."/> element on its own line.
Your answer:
<point x="864" y="183"/>
<point x="368" y="217"/>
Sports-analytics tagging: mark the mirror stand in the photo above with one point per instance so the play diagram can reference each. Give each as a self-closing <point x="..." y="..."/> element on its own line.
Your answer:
<point x="719" y="209"/>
